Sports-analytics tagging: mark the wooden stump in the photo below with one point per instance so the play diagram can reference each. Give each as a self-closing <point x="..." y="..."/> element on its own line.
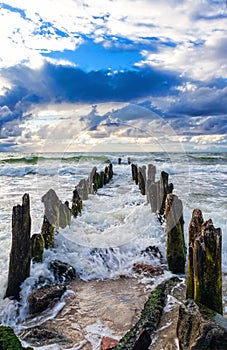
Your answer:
<point x="77" y="203"/>
<point x="20" y="255"/>
<point x="142" y="179"/>
<point x="134" y="173"/>
<point x="47" y="232"/>
<point x="204" y="282"/>
<point x="175" y="247"/>
<point x="37" y="247"/>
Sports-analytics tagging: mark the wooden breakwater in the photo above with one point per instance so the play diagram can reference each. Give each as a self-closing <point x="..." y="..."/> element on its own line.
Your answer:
<point x="204" y="270"/>
<point x="25" y="247"/>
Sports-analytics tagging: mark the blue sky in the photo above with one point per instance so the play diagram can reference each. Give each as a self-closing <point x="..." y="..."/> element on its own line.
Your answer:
<point x="133" y="75"/>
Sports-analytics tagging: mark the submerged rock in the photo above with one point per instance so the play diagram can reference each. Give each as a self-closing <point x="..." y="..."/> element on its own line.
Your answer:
<point x="148" y="270"/>
<point x="43" y="336"/>
<point x="200" y="328"/>
<point x="108" y="343"/>
<point x="63" y="272"/>
<point x="9" y="340"/>
<point x="42" y="298"/>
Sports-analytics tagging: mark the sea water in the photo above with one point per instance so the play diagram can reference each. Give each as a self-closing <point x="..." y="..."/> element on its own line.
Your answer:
<point x="116" y="224"/>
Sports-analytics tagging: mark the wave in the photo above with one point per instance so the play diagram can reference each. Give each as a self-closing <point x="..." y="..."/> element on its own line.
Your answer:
<point x="33" y="159"/>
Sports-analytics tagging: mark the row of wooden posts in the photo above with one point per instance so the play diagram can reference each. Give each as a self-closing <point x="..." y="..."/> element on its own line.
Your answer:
<point x="25" y="247"/>
<point x="204" y="268"/>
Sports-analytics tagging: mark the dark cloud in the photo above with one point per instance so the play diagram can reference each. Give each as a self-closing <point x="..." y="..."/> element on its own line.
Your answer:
<point x="204" y="101"/>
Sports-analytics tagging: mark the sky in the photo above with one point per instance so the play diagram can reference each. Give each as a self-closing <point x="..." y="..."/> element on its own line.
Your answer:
<point x="113" y="75"/>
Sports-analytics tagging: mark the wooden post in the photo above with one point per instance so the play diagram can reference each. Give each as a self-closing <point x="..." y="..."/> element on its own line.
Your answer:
<point x="47" y="232"/>
<point x="204" y="282"/>
<point x="20" y="255"/>
<point x="134" y="173"/>
<point x="142" y="179"/>
<point x="77" y="203"/>
<point x="175" y="247"/>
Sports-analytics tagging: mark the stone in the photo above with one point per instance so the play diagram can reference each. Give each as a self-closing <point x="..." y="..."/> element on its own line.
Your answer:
<point x="20" y="254"/>
<point x="148" y="270"/>
<point x="47" y="232"/>
<point x="175" y="245"/>
<point x="200" y="328"/>
<point x="108" y="343"/>
<point x="44" y="297"/>
<point x="63" y="272"/>
<point x="43" y="335"/>
<point x="9" y="340"/>
<point x="37" y="247"/>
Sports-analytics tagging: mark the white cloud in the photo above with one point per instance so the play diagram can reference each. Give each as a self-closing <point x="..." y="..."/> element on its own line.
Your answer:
<point x="208" y="139"/>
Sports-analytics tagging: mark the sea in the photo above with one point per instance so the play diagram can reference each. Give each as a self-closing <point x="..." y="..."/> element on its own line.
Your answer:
<point x="116" y="221"/>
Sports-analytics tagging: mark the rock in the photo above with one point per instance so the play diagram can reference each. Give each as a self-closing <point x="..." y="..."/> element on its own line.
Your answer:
<point x="42" y="298"/>
<point x="77" y="203"/>
<point x="37" y="247"/>
<point x="147" y="270"/>
<point x="9" y="340"/>
<point x="108" y="343"/>
<point x="201" y="328"/>
<point x="43" y="336"/>
<point x="175" y="246"/>
<point x="205" y="267"/>
<point x="143" y="342"/>
<point x="153" y="251"/>
<point x="63" y="272"/>
<point x="47" y="232"/>
<point x="20" y="255"/>
<point x="57" y="213"/>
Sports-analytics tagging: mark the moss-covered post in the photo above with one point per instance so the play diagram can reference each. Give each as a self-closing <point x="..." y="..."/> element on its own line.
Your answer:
<point x="175" y="246"/>
<point x="162" y="192"/>
<point x="20" y="255"/>
<point x="47" y="232"/>
<point x="37" y="247"/>
<point x="194" y="228"/>
<point x="205" y="285"/>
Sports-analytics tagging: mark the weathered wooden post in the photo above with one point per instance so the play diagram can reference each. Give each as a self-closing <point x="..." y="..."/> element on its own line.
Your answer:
<point x="82" y="189"/>
<point x="37" y="247"/>
<point x="162" y="192"/>
<point x="77" y="203"/>
<point x="142" y="179"/>
<point x="119" y="161"/>
<point x="47" y="232"/>
<point x="151" y="172"/>
<point x="90" y="181"/>
<point x="134" y="173"/>
<point x="57" y="213"/>
<point x="175" y="246"/>
<point x="20" y="255"/>
<point x="204" y="282"/>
